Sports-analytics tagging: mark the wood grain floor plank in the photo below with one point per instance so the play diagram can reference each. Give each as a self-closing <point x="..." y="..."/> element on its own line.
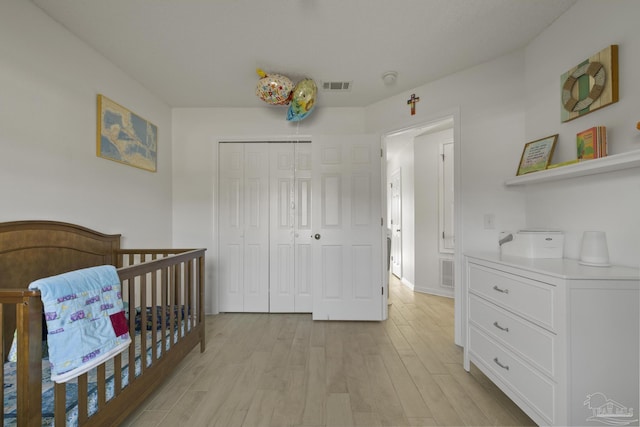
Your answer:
<point x="443" y="411"/>
<point x="260" y="411"/>
<point x="422" y="422"/>
<point x="289" y="407"/>
<point x="406" y="390"/>
<point x="366" y="419"/>
<point x="465" y="407"/>
<point x="147" y="418"/>
<point x="358" y="380"/>
<point x="387" y="402"/>
<point x="487" y="402"/>
<point x="339" y="410"/>
<point x="316" y="396"/>
<point x="427" y="355"/>
<point x="241" y="394"/>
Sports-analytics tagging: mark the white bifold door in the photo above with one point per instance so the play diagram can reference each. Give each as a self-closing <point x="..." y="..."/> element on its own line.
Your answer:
<point x="244" y="227"/>
<point x="290" y="239"/>
<point x="300" y="228"/>
<point x="265" y="227"/>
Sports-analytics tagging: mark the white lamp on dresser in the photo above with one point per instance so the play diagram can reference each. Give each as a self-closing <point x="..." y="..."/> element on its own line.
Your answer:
<point x="560" y="338"/>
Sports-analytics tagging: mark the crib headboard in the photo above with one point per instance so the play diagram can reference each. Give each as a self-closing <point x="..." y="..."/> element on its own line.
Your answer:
<point x="31" y="250"/>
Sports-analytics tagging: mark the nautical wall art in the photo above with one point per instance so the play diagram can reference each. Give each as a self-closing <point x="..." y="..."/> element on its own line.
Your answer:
<point x="590" y="85"/>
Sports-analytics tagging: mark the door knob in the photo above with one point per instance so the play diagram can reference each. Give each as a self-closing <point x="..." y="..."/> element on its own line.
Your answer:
<point x="316" y="236"/>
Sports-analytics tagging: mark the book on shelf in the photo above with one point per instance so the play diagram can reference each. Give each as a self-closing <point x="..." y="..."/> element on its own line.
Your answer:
<point x="592" y="143"/>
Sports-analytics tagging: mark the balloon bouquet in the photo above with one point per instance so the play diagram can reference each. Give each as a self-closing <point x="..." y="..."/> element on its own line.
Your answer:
<point x="276" y="89"/>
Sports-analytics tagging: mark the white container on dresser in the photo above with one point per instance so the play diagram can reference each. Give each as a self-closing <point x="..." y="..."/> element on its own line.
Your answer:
<point x="551" y="332"/>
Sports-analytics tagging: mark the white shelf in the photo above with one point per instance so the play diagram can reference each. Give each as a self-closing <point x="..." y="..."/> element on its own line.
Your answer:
<point x="630" y="159"/>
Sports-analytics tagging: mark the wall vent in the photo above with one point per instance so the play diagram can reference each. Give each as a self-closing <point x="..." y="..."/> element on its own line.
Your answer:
<point x="446" y="273"/>
<point x="336" y="86"/>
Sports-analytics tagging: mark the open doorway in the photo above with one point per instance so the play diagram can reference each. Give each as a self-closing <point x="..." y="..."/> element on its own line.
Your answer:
<point x="420" y="200"/>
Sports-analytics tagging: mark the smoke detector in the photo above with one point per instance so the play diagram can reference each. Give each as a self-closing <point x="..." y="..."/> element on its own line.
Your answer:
<point x="389" y="77"/>
<point x="337" y="86"/>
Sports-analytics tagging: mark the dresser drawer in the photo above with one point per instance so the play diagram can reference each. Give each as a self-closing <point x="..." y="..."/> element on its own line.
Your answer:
<point x="532" y="343"/>
<point x="529" y="385"/>
<point x="532" y="299"/>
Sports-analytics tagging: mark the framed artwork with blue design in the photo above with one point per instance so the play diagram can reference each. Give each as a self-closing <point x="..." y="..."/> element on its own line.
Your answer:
<point x="125" y="137"/>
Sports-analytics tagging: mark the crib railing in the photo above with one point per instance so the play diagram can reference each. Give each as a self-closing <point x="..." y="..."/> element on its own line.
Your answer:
<point x="173" y="281"/>
<point x="28" y="310"/>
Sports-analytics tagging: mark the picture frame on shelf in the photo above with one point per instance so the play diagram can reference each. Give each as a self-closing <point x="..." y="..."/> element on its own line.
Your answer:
<point x="537" y="155"/>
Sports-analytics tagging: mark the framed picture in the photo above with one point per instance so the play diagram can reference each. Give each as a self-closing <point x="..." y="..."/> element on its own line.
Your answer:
<point x="590" y="85"/>
<point x="537" y="155"/>
<point x="125" y="137"/>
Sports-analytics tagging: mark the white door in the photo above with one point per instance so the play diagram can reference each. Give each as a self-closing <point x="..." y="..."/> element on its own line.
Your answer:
<point x="282" y="217"/>
<point x="290" y="246"/>
<point x="347" y="229"/>
<point x="303" y="249"/>
<point x="244" y="227"/>
<point x="396" y="223"/>
<point x="447" y="235"/>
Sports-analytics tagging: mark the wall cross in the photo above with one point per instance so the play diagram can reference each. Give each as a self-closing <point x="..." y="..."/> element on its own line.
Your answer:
<point x="412" y="101"/>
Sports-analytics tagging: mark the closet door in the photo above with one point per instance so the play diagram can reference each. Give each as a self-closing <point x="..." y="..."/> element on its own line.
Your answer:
<point x="231" y="227"/>
<point x="256" y="230"/>
<point x="244" y="227"/>
<point x="290" y="254"/>
<point x="303" y="225"/>
<point x="282" y="239"/>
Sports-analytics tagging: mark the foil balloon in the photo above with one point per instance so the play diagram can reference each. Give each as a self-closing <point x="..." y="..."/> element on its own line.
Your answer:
<point x="274" y="89"/>
<point x="303" y="100"/>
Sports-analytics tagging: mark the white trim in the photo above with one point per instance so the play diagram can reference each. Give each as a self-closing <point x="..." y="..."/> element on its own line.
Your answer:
<point x="433" y="292"/>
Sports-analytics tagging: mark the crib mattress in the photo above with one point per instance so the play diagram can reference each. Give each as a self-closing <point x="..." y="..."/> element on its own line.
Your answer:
<point x="10" y="405"/>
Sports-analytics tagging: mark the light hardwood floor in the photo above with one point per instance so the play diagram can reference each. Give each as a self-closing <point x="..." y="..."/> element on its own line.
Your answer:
<point x="287" y="370"/>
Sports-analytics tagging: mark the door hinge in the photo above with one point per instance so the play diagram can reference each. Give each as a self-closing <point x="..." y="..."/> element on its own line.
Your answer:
<point x="381" y="152"/>
<point x="383" y="290"/>
<point x="382" y="222"/>
<point x="442" y="156"/>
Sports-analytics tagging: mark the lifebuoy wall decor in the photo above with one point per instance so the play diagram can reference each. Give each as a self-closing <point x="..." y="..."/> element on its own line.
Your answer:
<point x="590" y="85"/>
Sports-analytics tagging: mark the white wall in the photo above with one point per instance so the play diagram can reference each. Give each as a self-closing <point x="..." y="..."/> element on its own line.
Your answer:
<point x="49" y="81"/>
<point x="427" y="212"/>
<point x="608" y="202"/>
<point x="491" y="125"/>
<point x="196" y="132"/>
<point x="488" y="108"/>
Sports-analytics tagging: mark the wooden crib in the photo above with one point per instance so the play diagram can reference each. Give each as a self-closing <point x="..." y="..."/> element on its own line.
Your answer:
<point x="163" y="292"/>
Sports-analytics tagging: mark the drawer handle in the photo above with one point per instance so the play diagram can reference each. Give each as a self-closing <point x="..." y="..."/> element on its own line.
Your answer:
<point x="495" y="359"/>
<point x="502" y="328"/>
<point x="504" y="291"/>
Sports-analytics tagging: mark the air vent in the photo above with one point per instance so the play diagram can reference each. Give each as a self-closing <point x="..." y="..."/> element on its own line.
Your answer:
<point x="446" y="273"/>
<point x="336" y="86"/>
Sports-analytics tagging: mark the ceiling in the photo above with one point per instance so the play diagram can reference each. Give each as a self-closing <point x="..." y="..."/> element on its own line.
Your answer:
<point x="204" y="53"/>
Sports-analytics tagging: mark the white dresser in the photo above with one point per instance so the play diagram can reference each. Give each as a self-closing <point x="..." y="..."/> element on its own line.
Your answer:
<point x="559" y="338"/>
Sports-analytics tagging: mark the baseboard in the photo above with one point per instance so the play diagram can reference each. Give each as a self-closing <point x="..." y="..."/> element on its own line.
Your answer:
<point x="437" y="292"/>
<point x="407" y="283"/>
